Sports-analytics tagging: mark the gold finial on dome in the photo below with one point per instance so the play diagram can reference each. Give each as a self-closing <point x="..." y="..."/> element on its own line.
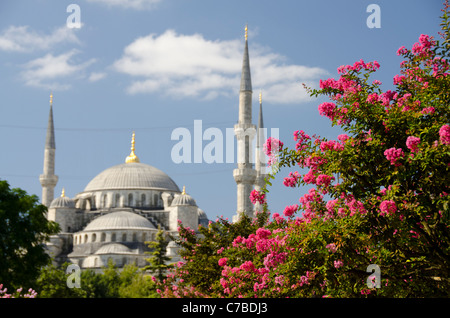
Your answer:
<point x="132" y="157"/>
<point x="51" y="99"/>
<point x="184" y="190"/>
<point x="260" y="97"/>
<point x="246" y="32"/>
<point x="63" y="193"/>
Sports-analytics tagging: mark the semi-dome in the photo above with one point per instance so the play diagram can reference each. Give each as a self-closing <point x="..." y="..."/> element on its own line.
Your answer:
<point x="119" y="220"/>
<point x="132" y="175"/>
<point x="113" y="248"/>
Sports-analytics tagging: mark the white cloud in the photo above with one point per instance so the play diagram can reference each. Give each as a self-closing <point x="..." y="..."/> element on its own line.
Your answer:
<point x="22" y="39"/>
<point x="96" y="76"/>
<point x="53" y="72"/>
<point x="192" y="66"/>
<point x="129" y="4"/>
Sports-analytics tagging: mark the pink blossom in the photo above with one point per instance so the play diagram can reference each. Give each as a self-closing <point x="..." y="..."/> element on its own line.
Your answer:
<point x="290" y="210"/>
<point x="324" y="179"/>
<point x="223" y="261"/>
<point x="402" y="50"/>
<point x="272" y="146"/>
<point x="331" y="247"/>
<point x="412" y="143"/>
<point x="327" y="109"/>
<point x="444" y="134"/>
<point x="292" y="180"/>
<point x="338" y="264"/>
<point x="373" y="98"/>
<point x="387" y="207"/>
<point x="256" y="196"/>
<point x="343" y="137"/>
<point x="393" y="154"/>
<point x="428" y="110"/>
<point x="263" y="233"/>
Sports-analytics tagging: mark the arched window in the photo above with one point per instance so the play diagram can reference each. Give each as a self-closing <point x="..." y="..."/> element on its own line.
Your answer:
<point x="155" y="200"/>
<point x="113" y="237"/>
<point x="130" y="199"/>
<point x="134" y="237"/>
<point x="85" y="238"/>
<point x="144" y="237"/>
<point x="143" y="198"/>
<point x="103" y="237"/>
<point x="104" y="197"/>
<point x="94" y="237"/>
<point x="124" y="237"/>
<point x="117" y="203"/>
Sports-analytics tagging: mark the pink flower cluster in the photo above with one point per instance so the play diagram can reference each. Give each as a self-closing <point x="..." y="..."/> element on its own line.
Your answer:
<point x="331" y="145"/>
<point x="393" y="154"/>
<point x="30" y="294"/>
<point x="387" y="207"/>
<point x="272" y="146"/>
<point x="256" y="196"/>
<point x="292" y="180"/>
<point x="290" y="210"/>
<point x="423" y="47"/>
<point x="413" y="143"/>
<point x="327" y="109"/>
<point x="444" y="134"/>
<point x="301" y="137"/>
<point x="359" y="65"/>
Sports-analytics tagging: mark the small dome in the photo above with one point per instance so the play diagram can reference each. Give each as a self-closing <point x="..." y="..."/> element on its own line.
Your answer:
<point x="62" y="202"/>
<point x="183" y="199"/>
<point x="119" y="220"/>
<point x="113" y="248"/>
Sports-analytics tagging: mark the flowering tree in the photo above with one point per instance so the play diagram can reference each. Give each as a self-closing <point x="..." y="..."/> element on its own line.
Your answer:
<point x="378" y="195"/>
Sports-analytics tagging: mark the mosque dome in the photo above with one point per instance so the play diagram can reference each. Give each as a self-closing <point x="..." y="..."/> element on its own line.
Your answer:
<point x="119" y="220"/>
<point x="183" y="199"/>
<point x="132" y="175"/>
<point x="62" y="202"/>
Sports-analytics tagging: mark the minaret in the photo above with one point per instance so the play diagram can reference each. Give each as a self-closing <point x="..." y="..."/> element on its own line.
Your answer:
<point x="245" y="131"/>
<point x="48" y="178"/>
<point x="260" y="162"/>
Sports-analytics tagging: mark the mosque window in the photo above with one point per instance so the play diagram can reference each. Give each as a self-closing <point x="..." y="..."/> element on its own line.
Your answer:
<point x="124" y="237"/>
<point x="103" y="237"/>
<point x="130" y="199"/>
<point x="143" y="198"/>
<point x="104" y="201"/>
<point x="134" y="237"/>
<point x="85" y="238"/>
<point x="144" y="237"/>
<point x="113" y="237"/>
<point x="117" y="203"/>
<point x="94" y="237"/>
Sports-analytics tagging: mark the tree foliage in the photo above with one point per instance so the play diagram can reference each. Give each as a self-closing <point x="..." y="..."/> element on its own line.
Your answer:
<point x="378" y="195"/>
<point x="24" y="229"/>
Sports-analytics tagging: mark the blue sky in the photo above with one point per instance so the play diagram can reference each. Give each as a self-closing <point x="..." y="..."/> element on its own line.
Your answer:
<point x="152" y="66"/>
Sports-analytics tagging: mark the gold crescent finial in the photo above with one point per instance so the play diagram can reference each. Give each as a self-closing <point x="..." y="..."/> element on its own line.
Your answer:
<point x="132" y="157"/>
<point x="260" y="97"/>
<point x="246" y="32"/>
<point x="184" y="190"/>
<point x="51" y="99"/>
<point x="63" y="193"/>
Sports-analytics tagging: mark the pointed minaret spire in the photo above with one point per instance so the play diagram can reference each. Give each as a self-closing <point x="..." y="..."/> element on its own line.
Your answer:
<point x="245" y="131"/>
<point x="246" y="81"/>
<point x="48" y="179"/>
<point x="260" y="162"/>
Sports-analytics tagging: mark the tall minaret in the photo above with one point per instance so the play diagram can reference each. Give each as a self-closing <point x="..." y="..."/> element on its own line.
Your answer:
<point x="245" y="131"/>
<point x="260" y="162"/>
<point x="48" y="179"/>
